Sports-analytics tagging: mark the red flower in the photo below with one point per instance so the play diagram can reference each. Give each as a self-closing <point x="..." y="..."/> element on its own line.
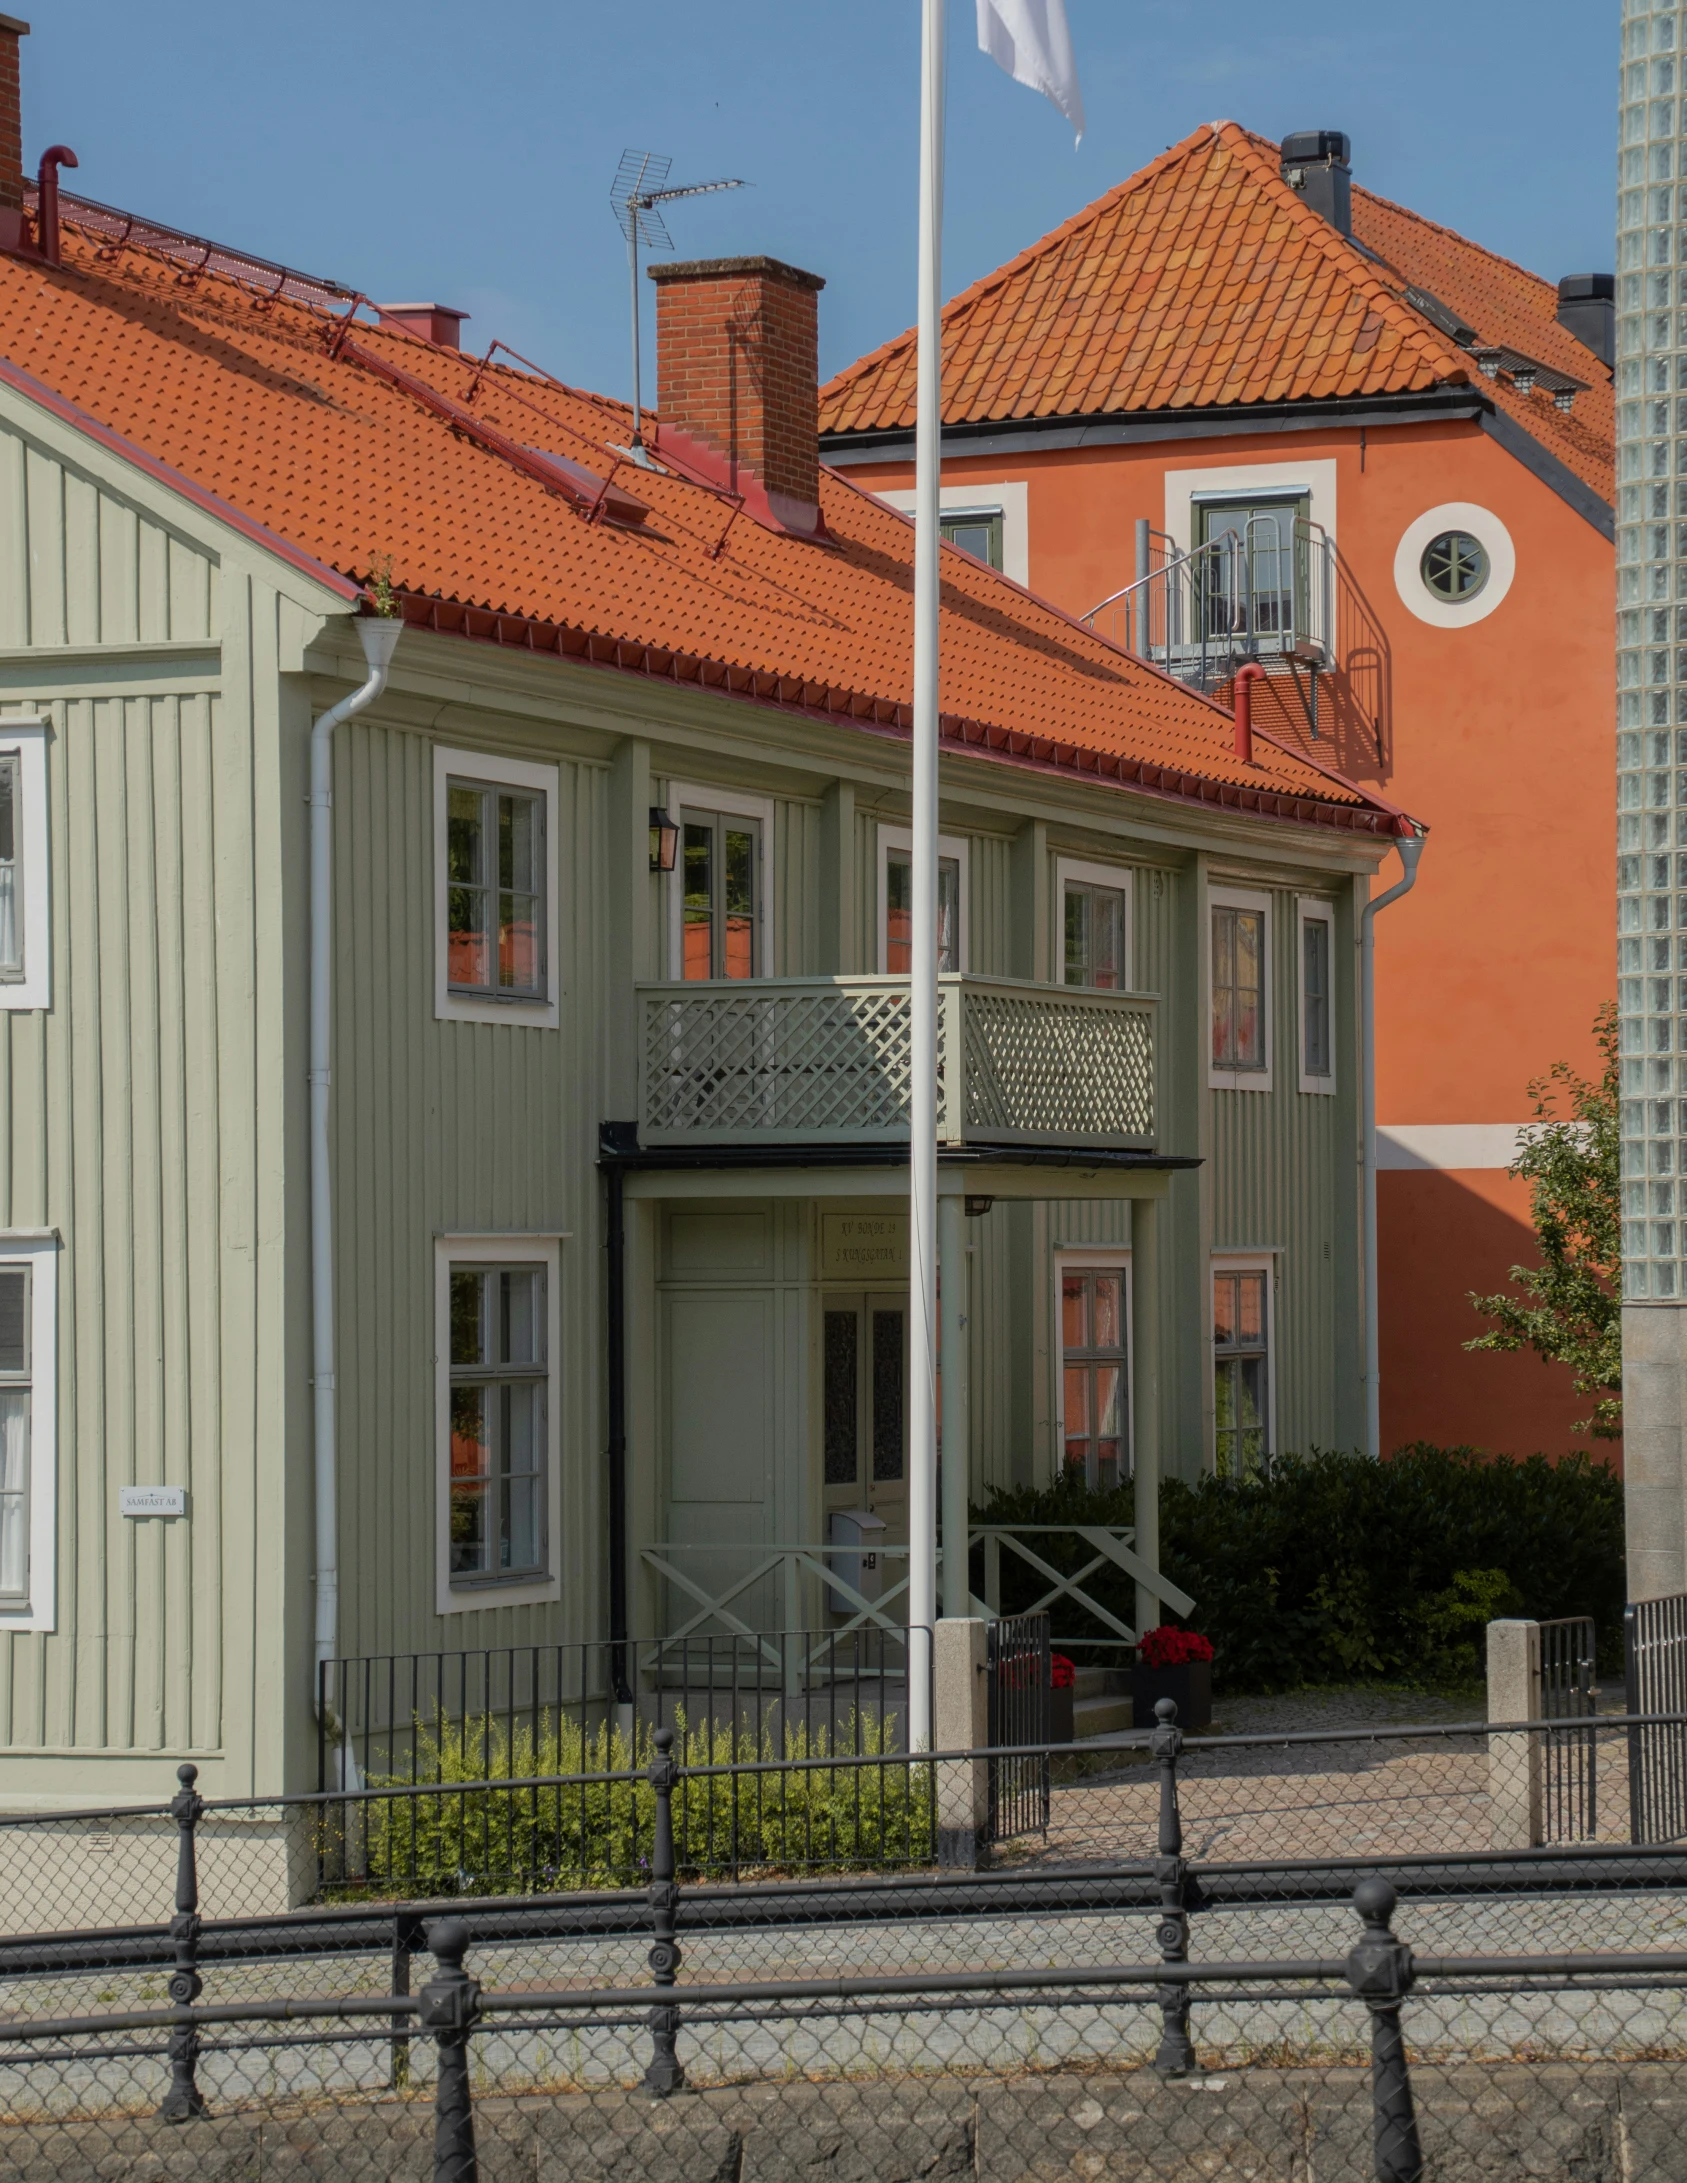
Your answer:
<point x="1062" y="1674"/>
<point x="1170" y="1647"/>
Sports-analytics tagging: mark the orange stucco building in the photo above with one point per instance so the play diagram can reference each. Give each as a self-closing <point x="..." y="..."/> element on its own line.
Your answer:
<point x="1240" y="409"/>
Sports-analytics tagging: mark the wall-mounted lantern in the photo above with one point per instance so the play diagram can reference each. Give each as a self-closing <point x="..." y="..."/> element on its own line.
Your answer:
<point x="664" y="840"/>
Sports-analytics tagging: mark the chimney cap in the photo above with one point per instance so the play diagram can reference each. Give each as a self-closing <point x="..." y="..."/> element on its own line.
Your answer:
<point x="1310" y="147"/>
<point x="15" y="24"/>
<point x="1587" y="288"/>
<point x="725" y="268"/>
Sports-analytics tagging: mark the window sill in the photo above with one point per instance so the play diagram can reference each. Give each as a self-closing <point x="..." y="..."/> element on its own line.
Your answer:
<point x="529" y="1015"/>
<point x="486" y="1595"/>
<point x="1256" y="1080"/>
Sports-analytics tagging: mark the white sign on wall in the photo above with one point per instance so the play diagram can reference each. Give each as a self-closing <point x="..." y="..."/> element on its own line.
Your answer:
<point x="152" y="1500"/>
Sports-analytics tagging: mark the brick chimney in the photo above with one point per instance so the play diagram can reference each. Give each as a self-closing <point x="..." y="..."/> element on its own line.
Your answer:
<point x="440" y="323"/>
<point x="738" y="373"/>
<point x="11" y="133"/>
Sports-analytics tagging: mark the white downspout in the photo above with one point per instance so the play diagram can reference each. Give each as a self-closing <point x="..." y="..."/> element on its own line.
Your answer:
<point x="378" y="635"/>
<point x="1410" y="847"/>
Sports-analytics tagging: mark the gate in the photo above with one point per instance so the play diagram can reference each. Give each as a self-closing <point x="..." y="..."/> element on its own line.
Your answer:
<point x="1017" y="1658"/>
<point x="1655" y="1658"/>
<point x="1571" y="1786"/>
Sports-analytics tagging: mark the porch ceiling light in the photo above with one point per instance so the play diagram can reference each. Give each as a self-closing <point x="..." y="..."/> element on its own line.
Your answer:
<point x="664" y="840"/>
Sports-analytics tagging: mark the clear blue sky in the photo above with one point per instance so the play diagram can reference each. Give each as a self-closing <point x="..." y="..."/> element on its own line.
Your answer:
<point x="463" y="153"/>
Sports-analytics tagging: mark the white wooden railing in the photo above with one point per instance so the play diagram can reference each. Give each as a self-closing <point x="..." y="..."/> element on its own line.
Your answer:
<point x="816" y="1060"/>
<point x="731" y="1604"/>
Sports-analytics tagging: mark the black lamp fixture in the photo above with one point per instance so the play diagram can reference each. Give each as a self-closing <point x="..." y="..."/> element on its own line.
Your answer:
<point x="664" y="840"/>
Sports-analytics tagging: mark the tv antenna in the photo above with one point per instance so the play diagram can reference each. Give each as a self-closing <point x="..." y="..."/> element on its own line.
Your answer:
<point x="638" y="192"/>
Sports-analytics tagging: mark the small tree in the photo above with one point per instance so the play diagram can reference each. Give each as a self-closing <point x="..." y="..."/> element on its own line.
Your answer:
<point x="1571" y="1310"/>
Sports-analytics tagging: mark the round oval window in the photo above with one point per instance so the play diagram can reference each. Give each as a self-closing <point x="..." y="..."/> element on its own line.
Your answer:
<point x="1454" y="566"/>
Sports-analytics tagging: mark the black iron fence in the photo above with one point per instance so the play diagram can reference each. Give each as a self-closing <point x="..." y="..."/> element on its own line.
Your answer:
<point x="1655" y="1665"/>
<point x="1570" y="1772"/>
<point x="1366" y="2057"/>
<point x="1017" y="1670"/>
<point x="519" y="1710"/>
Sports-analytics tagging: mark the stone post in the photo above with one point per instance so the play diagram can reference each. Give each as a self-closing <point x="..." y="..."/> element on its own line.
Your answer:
<point x="1516" y="1764"/>
<point x="962" y="1723"/>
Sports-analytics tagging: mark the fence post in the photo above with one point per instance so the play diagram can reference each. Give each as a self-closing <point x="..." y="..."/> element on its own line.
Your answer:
<point x="183" y="2102"/>
<point x="1380" y="1972"/>
<point x="664" y="2074"/>
<point x="449" y="2006"/>
<point x="407" y="1930"/>
<point x="961" y="1719"/>
<point x="1516" y="1772"/>
<point x="1176" y="2055"/>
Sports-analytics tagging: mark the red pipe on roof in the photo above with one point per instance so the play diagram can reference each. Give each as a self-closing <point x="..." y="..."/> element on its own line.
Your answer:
<point x="47" y="200"/>
<point x="1246" y="677"/>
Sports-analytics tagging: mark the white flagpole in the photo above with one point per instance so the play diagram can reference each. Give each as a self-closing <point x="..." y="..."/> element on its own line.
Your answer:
<point x="922" y="1119"/>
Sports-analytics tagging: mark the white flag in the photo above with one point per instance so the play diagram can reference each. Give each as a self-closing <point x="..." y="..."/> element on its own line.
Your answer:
<point x="1030" y="40"/>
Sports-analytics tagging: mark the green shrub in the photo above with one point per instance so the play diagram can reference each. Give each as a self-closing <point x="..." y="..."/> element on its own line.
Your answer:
<point x="482" y="1839"/>
<point x="1332" y="1568"/>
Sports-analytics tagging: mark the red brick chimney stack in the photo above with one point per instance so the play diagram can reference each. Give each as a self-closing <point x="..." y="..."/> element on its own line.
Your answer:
<point x="738" y="376"/>
<point x="11" y="133"/>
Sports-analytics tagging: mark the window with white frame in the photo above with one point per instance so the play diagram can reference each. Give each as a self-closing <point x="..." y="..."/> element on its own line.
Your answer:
<point x="1238" y="981"/>
<point x="28" y="1339"/>
<point x="25" y="933"/>
<point x="497" y="1309"/>
<point x="896" y="901"/>
<point x="1094" y="912"/>
<point x="1095" y="1370"/>
<point x="720" y="865"/>
<point x="14" y="1434"/>
<point x="1317" y="997"/>
<point x="719" y="893"/>
<point x="1241" y="1368"/>
<point x="496" y="884"/>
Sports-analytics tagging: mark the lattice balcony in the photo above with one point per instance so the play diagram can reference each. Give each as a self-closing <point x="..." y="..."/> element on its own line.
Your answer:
<point x="826" y="1060"/>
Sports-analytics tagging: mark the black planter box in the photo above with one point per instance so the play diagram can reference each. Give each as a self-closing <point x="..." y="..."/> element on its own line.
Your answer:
<point x="1190" y="1687"/>
<point x="1060" y="1715"/>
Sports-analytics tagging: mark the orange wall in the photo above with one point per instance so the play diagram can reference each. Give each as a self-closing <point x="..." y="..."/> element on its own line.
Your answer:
<point x="1499" y="736"/>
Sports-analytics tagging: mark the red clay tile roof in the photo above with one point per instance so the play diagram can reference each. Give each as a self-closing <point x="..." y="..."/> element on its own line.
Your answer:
<point x="246" y="395"/>
<point x="1205" y="280"/>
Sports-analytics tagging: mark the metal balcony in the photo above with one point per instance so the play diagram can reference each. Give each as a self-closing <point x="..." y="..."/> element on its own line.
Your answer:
<point x="826" y="1061"/>
<point x="1255" y="592"/>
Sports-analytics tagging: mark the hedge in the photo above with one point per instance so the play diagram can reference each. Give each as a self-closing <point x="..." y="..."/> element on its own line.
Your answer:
<point x="1331" y="1568"/>
<point x="481" y="1839"/>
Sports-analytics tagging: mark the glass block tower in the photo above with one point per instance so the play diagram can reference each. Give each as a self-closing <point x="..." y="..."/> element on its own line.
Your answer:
<point x="1652" y="781"/>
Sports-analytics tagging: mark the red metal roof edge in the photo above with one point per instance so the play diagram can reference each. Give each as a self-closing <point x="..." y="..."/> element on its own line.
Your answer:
<point x="35" y="390"/>
<point x="884" y="716"/>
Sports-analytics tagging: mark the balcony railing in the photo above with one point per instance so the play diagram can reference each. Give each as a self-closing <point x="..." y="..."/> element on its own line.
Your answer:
<point x="826" y="1060"/>
<point x="1257" y="590"/>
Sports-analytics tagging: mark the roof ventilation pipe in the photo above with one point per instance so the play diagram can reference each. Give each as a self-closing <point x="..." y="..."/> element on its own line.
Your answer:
<point x="1242" y="700"/>
<point x="1315" y="162"/>
<point x="379" y="635"/>
<point x="47" y="200"/>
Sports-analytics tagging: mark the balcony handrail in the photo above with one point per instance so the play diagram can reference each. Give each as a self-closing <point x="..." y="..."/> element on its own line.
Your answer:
<point x="1206" y="606"/>
<point x="810" y="1060"/>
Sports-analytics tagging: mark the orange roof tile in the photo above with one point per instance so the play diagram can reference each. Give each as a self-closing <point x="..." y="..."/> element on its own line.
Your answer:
<point x="390" y="446"/>
<point x="1205" y="280"/>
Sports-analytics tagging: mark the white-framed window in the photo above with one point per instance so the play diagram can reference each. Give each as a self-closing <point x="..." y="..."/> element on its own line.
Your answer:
<point x="988" y="514"/>
<point x="896" y="901"/>
<point x="495" y="889"/>
<point x="1311" y="482"/>
<point x="1093" y="1321"/>
<point x="497" y="1324"/>
<point x="1239" y="998"/>
<point x="720" y="892"/>
<point x="1316" y="967"/>
<point x="26" y="936"/>
<point x="28" y="1429"/>
<point x="1244" y="1392"/>
<point x="1093" y="925"/>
